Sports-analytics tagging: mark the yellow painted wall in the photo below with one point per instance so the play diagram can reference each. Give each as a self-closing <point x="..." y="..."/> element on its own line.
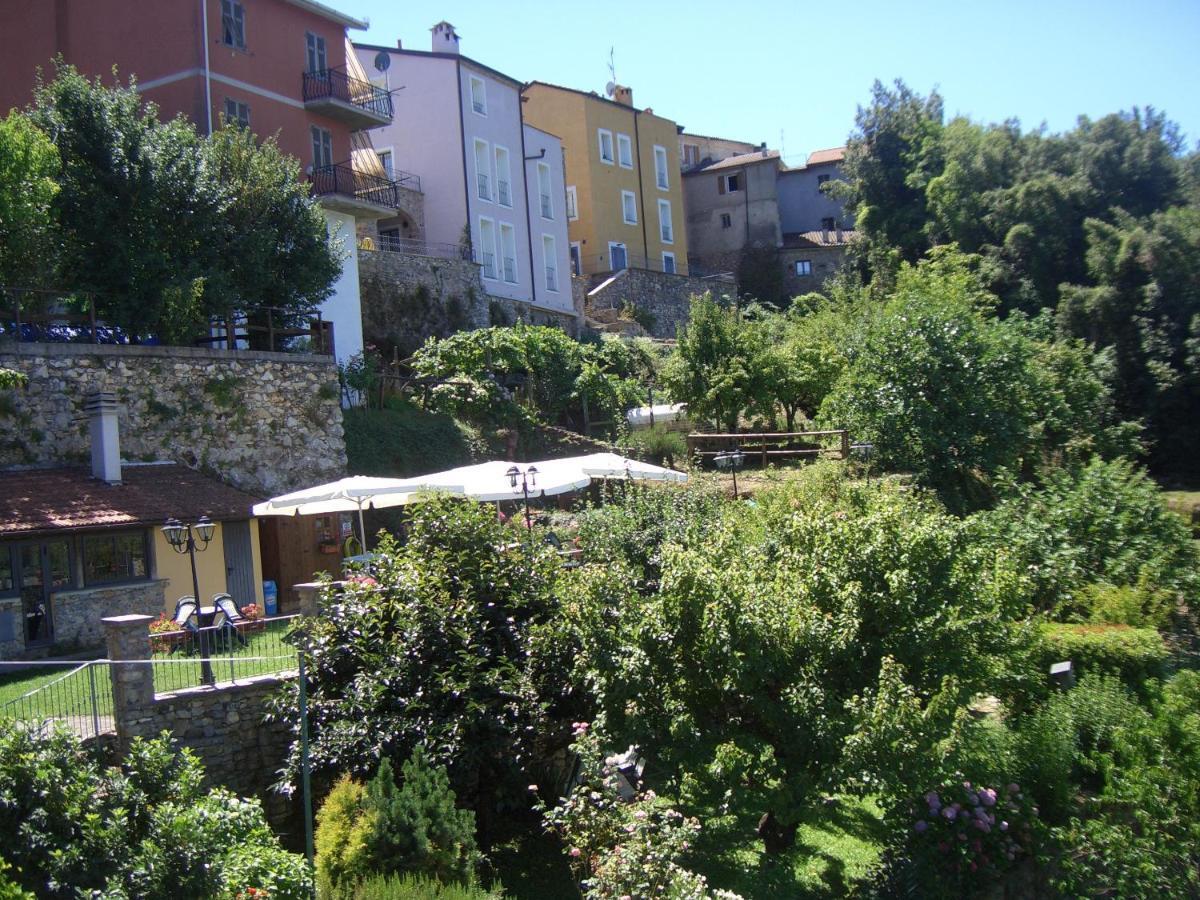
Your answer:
<point x="210" y="568"/>
<point x="577" y="118"/>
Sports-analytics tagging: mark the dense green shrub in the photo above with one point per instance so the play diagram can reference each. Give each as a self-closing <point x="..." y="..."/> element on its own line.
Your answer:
<point x="658" y="445"/>
<point x="1137" y="605"/>
<point x="1102" y="522"/>
<point x="344" y="825"/>
<point x="1133" y="654"/>
<point x="144" y="830"/>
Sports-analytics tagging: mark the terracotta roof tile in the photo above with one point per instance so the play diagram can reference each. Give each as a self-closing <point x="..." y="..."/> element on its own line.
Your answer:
<point x="742" y="159"/>
<point x="795" y="239"/>
<point x="832" y="155"/>
<point x="35" y="501"/>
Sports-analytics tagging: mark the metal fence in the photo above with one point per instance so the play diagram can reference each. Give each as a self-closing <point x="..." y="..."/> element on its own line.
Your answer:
<point x="77" y="695"/>
<point x="222" y="653"/>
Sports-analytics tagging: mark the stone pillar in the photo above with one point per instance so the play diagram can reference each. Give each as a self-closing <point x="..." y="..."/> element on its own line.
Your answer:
<point x="307" y="592"/>
<point x="128" y="638"/>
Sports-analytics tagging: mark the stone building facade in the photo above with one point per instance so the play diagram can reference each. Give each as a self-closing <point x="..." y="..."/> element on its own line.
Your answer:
<point x="658" y="301"/>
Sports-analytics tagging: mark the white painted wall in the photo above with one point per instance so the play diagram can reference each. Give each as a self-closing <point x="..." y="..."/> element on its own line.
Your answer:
<point x="344" y="306"/>
<point x="536" y="141"/>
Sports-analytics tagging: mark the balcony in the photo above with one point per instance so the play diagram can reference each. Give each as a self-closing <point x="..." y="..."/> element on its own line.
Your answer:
<point x="551" y="278"/>
<point x="505" y="198"/>
<point x="360" y="194"/>
<point x="359" y="104"/>
<point x="510" y="270"/>
<point x="489" y="265"/>
<point x="485" y="192"/>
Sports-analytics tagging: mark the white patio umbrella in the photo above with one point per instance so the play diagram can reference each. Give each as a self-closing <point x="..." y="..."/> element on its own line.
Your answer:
<point x="492" y="481"/>
<point x="613" y="465"/>
<point x="352" y="494"/>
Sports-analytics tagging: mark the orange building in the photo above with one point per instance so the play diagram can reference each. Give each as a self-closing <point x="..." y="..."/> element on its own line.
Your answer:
<point x="278" y="66"/>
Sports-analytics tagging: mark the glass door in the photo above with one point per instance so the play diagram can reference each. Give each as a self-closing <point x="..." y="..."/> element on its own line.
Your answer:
<point x="44" y="568"/>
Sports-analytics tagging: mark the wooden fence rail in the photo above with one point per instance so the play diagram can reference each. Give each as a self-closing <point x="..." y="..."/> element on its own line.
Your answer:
<point x="768" y="446"/>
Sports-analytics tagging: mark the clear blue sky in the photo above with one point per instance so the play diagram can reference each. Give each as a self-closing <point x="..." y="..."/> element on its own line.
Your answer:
<point x="751" y="70"/>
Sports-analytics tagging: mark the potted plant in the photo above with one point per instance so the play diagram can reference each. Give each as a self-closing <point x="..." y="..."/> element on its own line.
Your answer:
<point x="255" y="621"/>
<point x="165" y="634"/>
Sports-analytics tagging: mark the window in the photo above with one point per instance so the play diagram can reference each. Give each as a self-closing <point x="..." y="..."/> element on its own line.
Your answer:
<point x="487" y="247"/>
<point x="322" y="142"/>
<point x="629" y="207"/>
<point x="729" y="184"/>
<point x="233" y="24"/>
<point x="827" y="223"/>
<point x="665" y="227"/>
<point x="237" y="112"/>
<point x="316" y="52"/>
<point x="606" y="146"/>
<point x="544" y="193"/>
<point x="669" y="263"/>
<point x="726" y="220"/>
<point x="625" y="151"/>
<point x="691" y="154"/>
<point x="508" y="252"/>
<point x="572" y="203"/>
<point x="551" y="260"/>
<point x="385" y="160"/>
<point x="660" y="168"/>
<point x="503" y="178"/>
<point x="114" y="557"/>
<point x="478" y="96"/>
<point x="821" y="179"/>
<point x="576" y="259"/>
<point x="483" y="184"/>
<point x="804" y="267"/>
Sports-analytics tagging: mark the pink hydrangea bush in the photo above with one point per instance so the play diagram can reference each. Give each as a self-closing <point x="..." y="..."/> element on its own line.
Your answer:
<point x="961" y="833"/>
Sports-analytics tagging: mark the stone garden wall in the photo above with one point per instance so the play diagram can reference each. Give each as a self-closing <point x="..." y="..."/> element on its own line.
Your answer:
<point x="661" y="300"/>
<point x="407" y="298"/>
<point x="224" y="723"/>
<point x="264" y="422"/>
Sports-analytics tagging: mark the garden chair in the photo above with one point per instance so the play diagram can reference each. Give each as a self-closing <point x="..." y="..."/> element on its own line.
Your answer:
<point x="228" y="617"/>
<point x="186" y="614"/>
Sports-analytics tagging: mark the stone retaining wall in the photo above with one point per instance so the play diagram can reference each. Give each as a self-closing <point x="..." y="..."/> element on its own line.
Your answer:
<point x="662" y="301"/>
<point x="407" y="298"/>
<point x="266" y="423"/>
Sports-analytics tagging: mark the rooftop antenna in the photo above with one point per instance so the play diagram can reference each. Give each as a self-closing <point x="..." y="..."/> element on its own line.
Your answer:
<point x="612" y="66"/>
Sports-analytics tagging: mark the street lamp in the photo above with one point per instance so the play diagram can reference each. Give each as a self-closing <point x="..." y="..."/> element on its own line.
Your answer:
<point x="733" y="460"/>
<point x="183" y="538"/>
<point x="528" y="479"/>
<point x="863" y="451"/>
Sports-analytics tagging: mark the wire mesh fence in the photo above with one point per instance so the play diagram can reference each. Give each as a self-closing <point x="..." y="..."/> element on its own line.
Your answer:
<point x="77" y="695"/>
<point x="222" y="653"/>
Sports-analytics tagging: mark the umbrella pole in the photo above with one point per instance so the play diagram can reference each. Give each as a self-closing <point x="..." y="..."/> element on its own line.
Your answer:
<point x="362" y="530"/>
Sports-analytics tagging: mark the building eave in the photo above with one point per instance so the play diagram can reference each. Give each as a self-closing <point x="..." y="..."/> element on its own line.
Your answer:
<point x="326" y="12"/>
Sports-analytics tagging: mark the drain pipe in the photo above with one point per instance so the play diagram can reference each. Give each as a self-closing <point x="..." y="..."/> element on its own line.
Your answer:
<point x="207" y="72"/>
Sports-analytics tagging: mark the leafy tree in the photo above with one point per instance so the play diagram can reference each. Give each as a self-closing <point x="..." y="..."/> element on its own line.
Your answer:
<point x="28" y="167"/>
<point x="941" y="389"/>
<point x="801" y="360"/>
<point x="149" y="214"/>
<point x="449" y="646"/>
<point x="1145" y="307"/>
<point x="789" y="630"/>
<point x="715" y="369"/>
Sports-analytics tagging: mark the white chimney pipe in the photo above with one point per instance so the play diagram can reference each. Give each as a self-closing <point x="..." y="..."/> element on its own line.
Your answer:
<point x="101" y="407"/>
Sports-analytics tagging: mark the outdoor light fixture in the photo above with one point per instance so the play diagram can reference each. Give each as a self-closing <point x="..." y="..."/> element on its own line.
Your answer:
<point x="190" y="539"/>
<point x="863" y="451"/>
<point x="733" y="460"/>
<point x="528" y="479"/>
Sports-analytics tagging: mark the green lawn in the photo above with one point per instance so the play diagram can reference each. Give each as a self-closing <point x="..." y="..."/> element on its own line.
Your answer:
<point x="19" y="682"/>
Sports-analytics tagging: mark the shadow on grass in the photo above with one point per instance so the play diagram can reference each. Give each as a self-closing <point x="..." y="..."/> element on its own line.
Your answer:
<point x="835" y="847"/>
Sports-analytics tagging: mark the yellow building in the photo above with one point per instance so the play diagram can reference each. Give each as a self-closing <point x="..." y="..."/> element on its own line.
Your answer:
<point x="624" y="196"/>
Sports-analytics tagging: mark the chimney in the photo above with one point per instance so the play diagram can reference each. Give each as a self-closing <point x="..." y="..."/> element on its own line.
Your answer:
<point x="101" y="407"/>
<point x="838" y="232"/>
<point x="623" y="95"/>
<point x="824" y="233"/>
<point x="399" y="44"/>
<point x="445" y="38"/>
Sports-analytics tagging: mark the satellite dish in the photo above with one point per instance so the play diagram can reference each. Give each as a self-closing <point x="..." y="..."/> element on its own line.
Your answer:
<point x="382" y="61"/>
<point x="610" y="88"/>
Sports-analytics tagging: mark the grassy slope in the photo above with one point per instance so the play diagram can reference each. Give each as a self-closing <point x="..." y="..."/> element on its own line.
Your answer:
<point x="406" y="441"/>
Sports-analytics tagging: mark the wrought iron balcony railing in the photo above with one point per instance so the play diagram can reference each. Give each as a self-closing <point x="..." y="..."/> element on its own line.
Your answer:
<point x="335" y="85"/>
<point x="343" y="181"/>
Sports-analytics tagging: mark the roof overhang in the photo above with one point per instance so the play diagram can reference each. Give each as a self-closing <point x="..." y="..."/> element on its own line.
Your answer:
<point x="333" y="15"/>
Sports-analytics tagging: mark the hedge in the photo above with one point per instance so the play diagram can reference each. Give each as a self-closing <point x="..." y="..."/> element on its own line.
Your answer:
<point x="1133" y="654"/>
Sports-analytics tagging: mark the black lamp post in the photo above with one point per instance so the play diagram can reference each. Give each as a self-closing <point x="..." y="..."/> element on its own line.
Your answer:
<point x="183" y="539"/>
<point x="864" y="451"/>
<point x="528" y="478"/>
<point x="733" y="460"/>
